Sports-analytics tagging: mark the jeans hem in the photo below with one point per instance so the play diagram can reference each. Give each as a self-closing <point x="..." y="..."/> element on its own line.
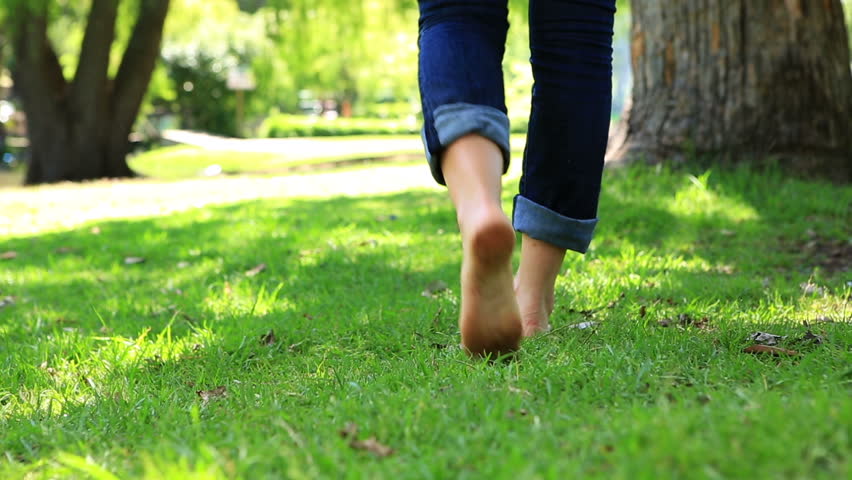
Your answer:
<point x="456" y="120"/>
<point x="542" y="223"/>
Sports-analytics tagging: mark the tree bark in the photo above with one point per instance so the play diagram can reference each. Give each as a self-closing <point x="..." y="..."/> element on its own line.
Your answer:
<point x="740" y="81"/>
<point x="79" y="130"/>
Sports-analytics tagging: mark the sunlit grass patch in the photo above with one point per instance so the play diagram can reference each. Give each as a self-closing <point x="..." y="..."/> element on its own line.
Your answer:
<point x="183" y="162"/>
<point x="256" y="330"/>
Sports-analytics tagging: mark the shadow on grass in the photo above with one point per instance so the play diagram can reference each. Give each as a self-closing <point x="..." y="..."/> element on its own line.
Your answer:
<point x="328" y="251"/>
<point x="341" y="275"/>
<point x="319" y="254"/>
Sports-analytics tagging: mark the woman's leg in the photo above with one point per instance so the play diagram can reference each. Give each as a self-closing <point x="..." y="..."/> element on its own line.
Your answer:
<point x="466" y="133"/>
<point x="571" y="46"/>
<point x="489" y="319"/>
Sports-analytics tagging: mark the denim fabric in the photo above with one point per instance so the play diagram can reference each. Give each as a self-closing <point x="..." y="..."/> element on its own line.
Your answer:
<point x="551" y="227"/>
<point x="459" y="119"/>
<point x="461" y="56"/>
<point x="461" y="50"/>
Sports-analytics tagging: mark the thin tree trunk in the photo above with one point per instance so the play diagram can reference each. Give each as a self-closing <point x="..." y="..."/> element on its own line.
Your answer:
<point x="80" y="130"/>
<point x="740" y="81"/>
<point x="133" y="78"/>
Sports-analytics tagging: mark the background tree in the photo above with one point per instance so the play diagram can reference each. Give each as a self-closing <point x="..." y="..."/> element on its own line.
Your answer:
<point x="79" y="127"/>
<point x="741" y="80"/>
<point x="355" y="51"/>
<point x="203" y="43"/>
<point x="298" y="51"/>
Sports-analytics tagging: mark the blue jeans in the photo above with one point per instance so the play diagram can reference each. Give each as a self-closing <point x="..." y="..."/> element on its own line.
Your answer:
<point x="461" y="87"/>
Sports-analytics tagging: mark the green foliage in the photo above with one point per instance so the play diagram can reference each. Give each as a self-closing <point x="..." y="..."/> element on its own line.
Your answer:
<point x="202" y="98"/>
<point x="67" y="23"/>
<point x="847" y="8"/>
<point x="352" y="51"/>
<point x="102" y="361"/>
<point x="388" y="109"/>
<point x="361" y="51"/>
<point x="204" y="42"/>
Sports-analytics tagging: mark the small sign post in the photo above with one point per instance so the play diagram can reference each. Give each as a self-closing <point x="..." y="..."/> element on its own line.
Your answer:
<point x="240" y="80"/>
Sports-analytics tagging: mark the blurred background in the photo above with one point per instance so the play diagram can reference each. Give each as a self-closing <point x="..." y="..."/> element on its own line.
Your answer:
<point x="266" y="69"/>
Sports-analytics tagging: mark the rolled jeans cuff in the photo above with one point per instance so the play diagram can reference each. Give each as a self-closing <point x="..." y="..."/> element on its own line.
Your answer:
<point x="542" y="223"/>
<point x="456" y="120"/>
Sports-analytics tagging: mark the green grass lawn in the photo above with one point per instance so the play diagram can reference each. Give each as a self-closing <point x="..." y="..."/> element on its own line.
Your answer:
<point x="182" y="162"/>
<point x="201" y="363"/>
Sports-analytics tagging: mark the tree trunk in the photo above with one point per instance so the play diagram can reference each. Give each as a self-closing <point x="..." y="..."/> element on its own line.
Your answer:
<point x="79" y="130"/>
<point x="740" y="81"/>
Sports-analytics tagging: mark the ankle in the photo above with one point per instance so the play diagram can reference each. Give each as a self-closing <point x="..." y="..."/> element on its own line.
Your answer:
<point x="534" y="321"/>
<point x="487" y="232"/>
<point x="534" y="300"/>
<point x="477" y="215"/>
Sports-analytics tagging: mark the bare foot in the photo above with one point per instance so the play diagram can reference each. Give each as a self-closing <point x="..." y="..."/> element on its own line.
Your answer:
<point x="536" y="308"/>
<point x="490" y="321"/>
<point x="534" y="283"/>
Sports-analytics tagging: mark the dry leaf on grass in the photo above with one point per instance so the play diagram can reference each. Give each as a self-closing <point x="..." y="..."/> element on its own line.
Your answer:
<point x="512" y="413"/>
<point x="350" y="430"/>
<point x="763" y="338"/>
<point x="765" y="349"/>
<point x="701" y="323"/>
<point x="6" y="301"/>
<point x="373" y="446"/>
<point x="256" y="270"/>
<point x="435" y="288"/>
<point x="726" y="269"/>
<point x="208" y="395"/>
<point x="134" y="260"/>
<point x="686" y="320"/>
<point x="90" y="383"/>
<point x="584" y="325"/>
<point x="588" y="313"/>
<point x="831" y="254"/>
<point x="519" y="391"/>
<point x="811" y="337"/>
<point x="268" y="338"/>
<point x="614" y="303"/>
<point x="809" y="288"/>
<point x="11" y="255"/>
<point x="47" y="368"/>
<point x="65" y="250"/>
